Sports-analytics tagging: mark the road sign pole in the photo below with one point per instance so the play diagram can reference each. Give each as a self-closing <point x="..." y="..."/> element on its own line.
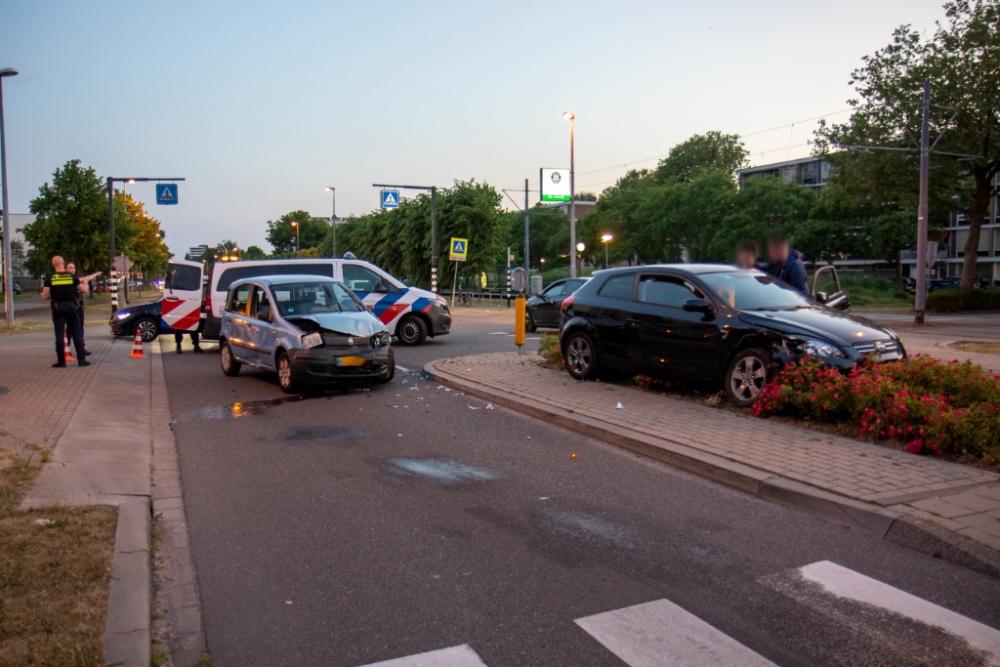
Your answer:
<point x="111" y="233"/>
<point x="922" y="210"/>
<point x="527" y="253"/>
<point x="572" y="204"/>
<point x="454" y="282"/>
<point x="434" y="241"/>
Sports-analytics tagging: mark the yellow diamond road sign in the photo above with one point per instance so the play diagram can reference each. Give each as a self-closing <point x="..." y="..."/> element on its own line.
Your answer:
<point x="459" y="250"/>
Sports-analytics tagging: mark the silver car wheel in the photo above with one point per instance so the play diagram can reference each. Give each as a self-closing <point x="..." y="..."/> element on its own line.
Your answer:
<point x="748" y="378"/>
<point x="579" y="356"/>
<point x="284" y="372"/>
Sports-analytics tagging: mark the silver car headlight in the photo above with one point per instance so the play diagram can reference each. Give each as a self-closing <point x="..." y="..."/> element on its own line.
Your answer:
<point x="312" y="340"/>
<point x="819" y="348"/>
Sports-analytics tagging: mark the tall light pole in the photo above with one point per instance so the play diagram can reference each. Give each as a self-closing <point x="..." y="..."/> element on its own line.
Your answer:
<point x="922" y="209"/>
<point x="580" y="247"/>
<point x="572" y="195"/>
<point x="606" y="238"/>
<point x="296" y="226"/>
<point x="333" y="218"/>
<point x="8" y="264"/>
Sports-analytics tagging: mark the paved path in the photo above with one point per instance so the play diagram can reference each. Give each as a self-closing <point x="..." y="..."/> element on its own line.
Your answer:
<point x="36" y="400"/>
<point x="961" y="498"/>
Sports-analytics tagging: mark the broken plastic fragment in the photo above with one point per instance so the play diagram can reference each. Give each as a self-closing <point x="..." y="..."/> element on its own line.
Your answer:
<point x="472" y="408"/>
<point x="619" y="407"/>
<point x="489" y="406"/>
<point x="44" y="522"/>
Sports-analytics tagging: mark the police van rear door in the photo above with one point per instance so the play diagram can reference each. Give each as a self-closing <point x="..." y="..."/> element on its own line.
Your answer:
<point x="182" y="296"/>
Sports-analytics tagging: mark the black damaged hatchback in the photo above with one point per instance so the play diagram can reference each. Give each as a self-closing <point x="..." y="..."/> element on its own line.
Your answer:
<point x="710" y="322"/>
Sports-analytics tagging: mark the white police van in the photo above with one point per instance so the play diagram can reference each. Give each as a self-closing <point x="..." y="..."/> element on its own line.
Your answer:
<point x="410" y="313"/>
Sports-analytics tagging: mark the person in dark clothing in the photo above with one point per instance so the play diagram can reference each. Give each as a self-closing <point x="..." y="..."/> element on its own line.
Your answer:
<point x="81" y="299"/>
<point x="62" y="289"/>
<point x="179" y="336"/>
<point x="785" y="264"/>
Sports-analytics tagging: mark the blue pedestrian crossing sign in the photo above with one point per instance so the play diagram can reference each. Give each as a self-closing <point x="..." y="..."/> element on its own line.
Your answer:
<point x="166" y="193"/>
<point x="459" y="250"/>
<point x="390" y="199"/>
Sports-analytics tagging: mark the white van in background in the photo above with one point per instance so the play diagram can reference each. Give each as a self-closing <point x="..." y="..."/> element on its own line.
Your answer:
<point x="410" y="313"/>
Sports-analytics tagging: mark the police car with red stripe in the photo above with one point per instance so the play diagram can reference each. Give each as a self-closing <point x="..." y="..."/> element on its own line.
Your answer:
<point x="411" y="314"/>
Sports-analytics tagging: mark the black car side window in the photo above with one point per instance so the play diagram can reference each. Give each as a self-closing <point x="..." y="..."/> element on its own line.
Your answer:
<point x="554" y="290"/>
<point x="618" y="287"/>
<point x="665" y="291"/>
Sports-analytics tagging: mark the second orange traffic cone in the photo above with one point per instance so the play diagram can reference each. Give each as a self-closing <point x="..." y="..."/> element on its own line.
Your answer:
<point x="67" y="354"/>
<point x="137" y="347"/>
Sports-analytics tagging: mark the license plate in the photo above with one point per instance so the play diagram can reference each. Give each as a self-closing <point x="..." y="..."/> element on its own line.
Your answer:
<point x="351" y="361"/>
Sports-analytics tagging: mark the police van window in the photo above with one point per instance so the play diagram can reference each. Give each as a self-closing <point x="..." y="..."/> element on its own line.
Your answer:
<point x="238" y="299"/>
<point x="666" y="291"/>
<point x="618" y="287"/>
<point x="261" y="306"/>
<point x="183" y="278"/>
<point x="361" y="279"/>
<point x="234" y="273"/>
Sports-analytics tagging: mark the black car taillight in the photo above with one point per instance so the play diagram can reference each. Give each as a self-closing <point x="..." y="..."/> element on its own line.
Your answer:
<point x="567" y="302"/>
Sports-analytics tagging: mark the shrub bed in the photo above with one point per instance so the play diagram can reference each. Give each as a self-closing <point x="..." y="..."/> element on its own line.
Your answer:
<point x="548" y="348"/>
<point x="931" y="406"/>
<point x="963" y="299"/>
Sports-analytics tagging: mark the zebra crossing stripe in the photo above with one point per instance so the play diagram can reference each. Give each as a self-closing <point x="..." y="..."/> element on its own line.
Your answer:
<point x="661" y="634"/>
<point x="845" y="583"/>
<point x="456" y="656"/>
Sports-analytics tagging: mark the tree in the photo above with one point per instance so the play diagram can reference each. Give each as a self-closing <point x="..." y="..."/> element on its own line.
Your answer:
<point x="765" y="206"/>
<point x="961" y="60"/>
<point x="311" y="234"/>
<point x="254" y="252"/>
<point x="710" y="151"/>
<point x="145" y="245"/>
<point x="71" y="219"/>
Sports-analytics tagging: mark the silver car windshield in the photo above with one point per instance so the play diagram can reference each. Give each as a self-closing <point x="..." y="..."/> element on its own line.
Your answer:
<point x="753" y="290"/>
<point x="312" y="298"/>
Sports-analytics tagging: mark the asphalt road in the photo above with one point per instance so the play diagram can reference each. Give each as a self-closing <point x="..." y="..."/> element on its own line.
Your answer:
<point x="353" y="528"/>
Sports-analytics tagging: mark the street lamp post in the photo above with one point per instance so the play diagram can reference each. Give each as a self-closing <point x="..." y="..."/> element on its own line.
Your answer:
<point x="296" y="226"/>
<point x="333" y="218"/>
<point x="8" y="264"/>
<point x="572" y="194"/>
<point x="580" y="247"/>
<point x="606" y="238"/>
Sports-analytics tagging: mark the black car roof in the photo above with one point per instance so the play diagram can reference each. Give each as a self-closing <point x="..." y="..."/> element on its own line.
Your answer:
<point x="686" y="268"/>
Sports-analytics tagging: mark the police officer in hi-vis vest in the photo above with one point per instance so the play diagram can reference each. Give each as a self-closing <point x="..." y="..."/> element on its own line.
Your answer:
<point x="62" y="288"/>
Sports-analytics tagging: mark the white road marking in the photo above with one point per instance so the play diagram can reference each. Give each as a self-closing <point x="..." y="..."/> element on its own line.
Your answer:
<point x="456" y="656"/>
<point x="499" y="333"/>
<point x="845" y="583"/>
<point x="661" y="634"/>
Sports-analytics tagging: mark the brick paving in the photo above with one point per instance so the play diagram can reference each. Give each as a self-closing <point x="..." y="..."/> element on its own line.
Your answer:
<point x="961" y="498"/>
<point x="39" y="400"/>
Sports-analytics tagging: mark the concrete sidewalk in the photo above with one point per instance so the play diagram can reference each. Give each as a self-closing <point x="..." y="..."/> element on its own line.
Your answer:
<point x="105" y="428"/>
<point x="886" y="492"/>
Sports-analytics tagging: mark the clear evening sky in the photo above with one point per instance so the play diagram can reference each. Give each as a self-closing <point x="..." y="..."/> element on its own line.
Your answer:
<point x="260" y="105"/>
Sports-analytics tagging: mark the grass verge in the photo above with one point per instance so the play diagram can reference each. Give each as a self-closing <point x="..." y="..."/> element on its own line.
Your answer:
<point x="978" y="347"/>
<point x="55" y="566"/>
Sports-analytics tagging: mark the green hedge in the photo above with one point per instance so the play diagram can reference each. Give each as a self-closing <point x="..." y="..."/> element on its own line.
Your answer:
<point x="963" y="299"/>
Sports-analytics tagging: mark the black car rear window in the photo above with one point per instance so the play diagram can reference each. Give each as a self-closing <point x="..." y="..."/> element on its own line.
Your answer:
<point x="234" y="273"/>
<point x="618" y="287"/>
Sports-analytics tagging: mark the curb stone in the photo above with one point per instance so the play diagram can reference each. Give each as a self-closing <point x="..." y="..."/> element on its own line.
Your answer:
<point x="863" y="517"/>
<point x="127" y="627"/>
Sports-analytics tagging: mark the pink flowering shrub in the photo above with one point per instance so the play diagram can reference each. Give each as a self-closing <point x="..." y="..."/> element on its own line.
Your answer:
<point x="931" y="406"/>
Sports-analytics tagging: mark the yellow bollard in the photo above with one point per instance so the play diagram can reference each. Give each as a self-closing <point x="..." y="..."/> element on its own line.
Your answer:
<point x="519" y="323"/>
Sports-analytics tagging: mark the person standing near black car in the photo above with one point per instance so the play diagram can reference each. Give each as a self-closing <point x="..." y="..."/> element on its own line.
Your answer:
<point x="786" y="264"/>
<point x="63" y="288"/>
<point x="81" y="299"/>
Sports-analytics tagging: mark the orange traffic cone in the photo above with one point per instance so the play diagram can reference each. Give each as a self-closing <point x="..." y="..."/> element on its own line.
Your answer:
<point x="67" y="354"/>
<point x="137" y="347"/>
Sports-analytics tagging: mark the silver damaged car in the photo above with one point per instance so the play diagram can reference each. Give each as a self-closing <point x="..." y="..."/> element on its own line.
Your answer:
<point x="307" y="329"/>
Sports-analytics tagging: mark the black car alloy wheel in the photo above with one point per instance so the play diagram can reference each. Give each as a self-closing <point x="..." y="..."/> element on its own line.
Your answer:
<point x="147" y="328"/>
<point x="747" y="375"/>
<point x="580" y="356"/>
